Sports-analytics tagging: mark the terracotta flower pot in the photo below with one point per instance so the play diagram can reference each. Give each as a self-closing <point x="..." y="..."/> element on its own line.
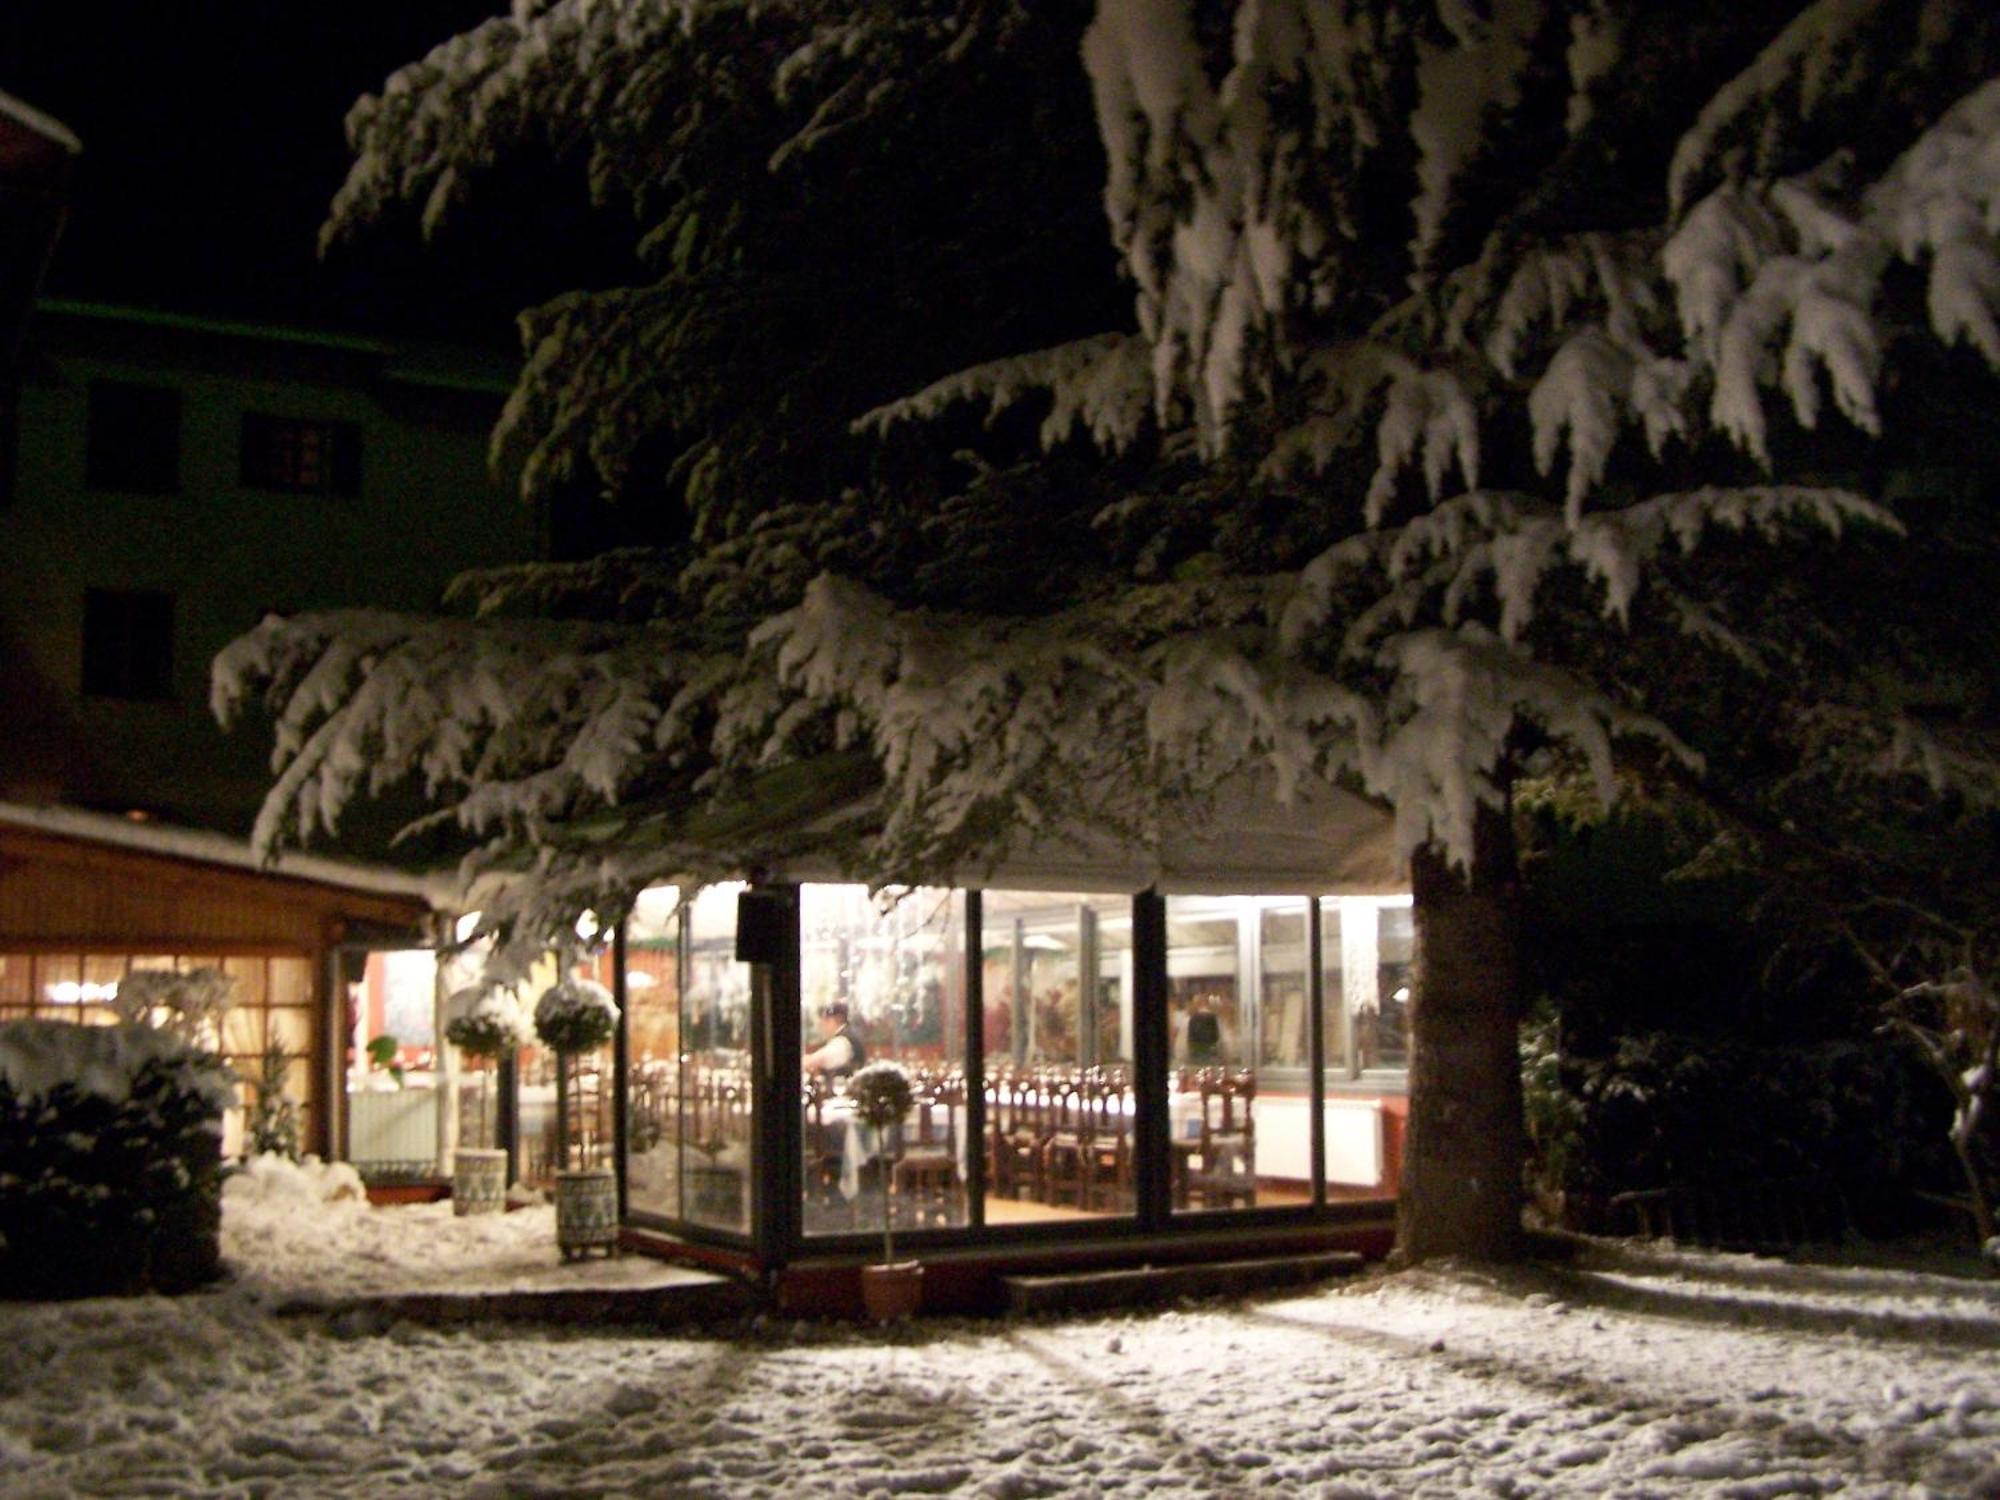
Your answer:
<point x="893" y="1291"/>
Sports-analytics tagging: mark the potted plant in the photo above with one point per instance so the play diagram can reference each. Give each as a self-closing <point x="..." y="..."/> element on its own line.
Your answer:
<point x="882" y="1096"/>
<point x="486" y="1025"/>
<point x="573" y="1017"/>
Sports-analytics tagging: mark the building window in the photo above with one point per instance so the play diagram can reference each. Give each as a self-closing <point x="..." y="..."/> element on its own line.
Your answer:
<point x="128" y="644"/>
<point x="267" y="1035"/>
<point x="301" y="456"/>
<point x="134" y="438"/>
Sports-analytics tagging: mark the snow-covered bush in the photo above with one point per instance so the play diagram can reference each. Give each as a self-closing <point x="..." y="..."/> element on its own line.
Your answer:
<point x="575" y="1016"/>
<point x="110" y="1159"/>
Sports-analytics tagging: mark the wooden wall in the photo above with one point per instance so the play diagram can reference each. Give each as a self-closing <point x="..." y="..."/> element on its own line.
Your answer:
<point x="62" y="894"/>
<point x="59" y="893"/>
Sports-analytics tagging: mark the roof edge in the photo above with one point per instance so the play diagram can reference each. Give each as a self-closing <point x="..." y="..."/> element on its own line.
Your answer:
<point x="203" y="846"/>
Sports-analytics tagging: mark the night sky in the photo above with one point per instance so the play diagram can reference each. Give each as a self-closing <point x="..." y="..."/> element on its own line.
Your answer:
<point x="213" y="142"/>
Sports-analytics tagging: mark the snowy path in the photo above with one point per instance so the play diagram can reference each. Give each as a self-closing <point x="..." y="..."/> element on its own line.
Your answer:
<point x="1637" y="1375"/>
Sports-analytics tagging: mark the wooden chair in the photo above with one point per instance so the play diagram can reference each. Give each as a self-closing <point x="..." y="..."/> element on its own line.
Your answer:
<point x="1223" y="1171"/>
<point x="1066" y="1145"/>
<point x="1014" y="1136"/>
<point x="1112" y="1186"/>
<point x="1087" y="1159"/>
<point x="926" y="1176"/>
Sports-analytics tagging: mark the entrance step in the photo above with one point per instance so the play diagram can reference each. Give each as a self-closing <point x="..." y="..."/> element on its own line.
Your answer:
<point x="1086" y="1291"/>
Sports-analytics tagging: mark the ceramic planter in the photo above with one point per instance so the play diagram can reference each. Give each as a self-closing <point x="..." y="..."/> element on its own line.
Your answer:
<point x="892" y="1292"/>
<point x="586" y="1212"/>
<point x="478" y="1181"/>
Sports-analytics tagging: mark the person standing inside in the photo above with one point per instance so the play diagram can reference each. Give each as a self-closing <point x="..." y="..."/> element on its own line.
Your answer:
<point x="839" y="1052"/>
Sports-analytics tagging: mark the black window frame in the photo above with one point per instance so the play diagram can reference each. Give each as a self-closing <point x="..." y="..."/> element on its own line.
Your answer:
<point x="292" y="455"/>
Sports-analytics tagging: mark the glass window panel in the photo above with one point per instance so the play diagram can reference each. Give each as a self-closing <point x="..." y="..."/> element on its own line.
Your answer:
<point x="1239" y="1009"/>
<point x="102" y="971"/>
<point x="291" y="1027"/>
<point x="653" y="1038"/>
<point x="290" y="981"/>
<point x="883" y="980"/>
<point x="58" y="983"/>
<point x="716" y="1114"/>
<point x="243" y="1031"/>
<point x="16" y="983"/>
<point x="1395" y="954"/>
<point x="409" y="1001"/>
<point x="392" y="1109"/>
<point x="1336" y="1016"/>
<point x="1206" y="992"/>
<point x="249" y="974"/>
<point x="1057" y="976"/>
<point x="1281" y="1108"/>
<point x="298" y="1078"/>
<point x="1284" y="989"/>
<point x="1367" y="946"/>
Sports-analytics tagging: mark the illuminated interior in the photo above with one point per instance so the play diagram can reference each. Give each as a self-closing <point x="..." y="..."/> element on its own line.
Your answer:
<point x="1022" y="1019"/>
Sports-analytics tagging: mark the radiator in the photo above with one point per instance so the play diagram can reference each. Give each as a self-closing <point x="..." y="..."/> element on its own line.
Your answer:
<point x="396" y="1125"/>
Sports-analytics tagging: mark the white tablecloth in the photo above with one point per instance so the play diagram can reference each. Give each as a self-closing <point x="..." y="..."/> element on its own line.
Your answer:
<point x="861" y="1144"/>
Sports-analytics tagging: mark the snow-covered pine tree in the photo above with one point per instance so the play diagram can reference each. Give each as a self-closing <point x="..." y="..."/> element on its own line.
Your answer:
<point x="1531" y="328"/>
<point x="1471" y="344"/>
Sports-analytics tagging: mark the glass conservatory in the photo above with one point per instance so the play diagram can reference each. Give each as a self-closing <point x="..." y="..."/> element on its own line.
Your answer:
<point x="1090" y="1068"/>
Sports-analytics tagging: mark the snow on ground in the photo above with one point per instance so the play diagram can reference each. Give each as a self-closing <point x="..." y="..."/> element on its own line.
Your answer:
<point x="1628" y="1373"/>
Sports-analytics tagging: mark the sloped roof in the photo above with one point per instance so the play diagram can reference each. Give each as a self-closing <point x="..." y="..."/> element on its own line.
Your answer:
<point x="203" y="847"/>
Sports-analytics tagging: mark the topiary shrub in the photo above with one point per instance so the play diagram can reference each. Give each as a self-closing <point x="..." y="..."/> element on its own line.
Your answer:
<point x="110" y="1160"/>
<point x="575" y="1016"/>
<point x="882" y="1095"/>
<point x="572" y="1017"/>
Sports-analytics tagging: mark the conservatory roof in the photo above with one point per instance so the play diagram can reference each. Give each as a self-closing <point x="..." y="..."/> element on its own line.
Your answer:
<point x="1324" y="841"/>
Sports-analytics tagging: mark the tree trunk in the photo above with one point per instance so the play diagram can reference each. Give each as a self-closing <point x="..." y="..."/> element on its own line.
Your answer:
<point x="1463" y="1155"/>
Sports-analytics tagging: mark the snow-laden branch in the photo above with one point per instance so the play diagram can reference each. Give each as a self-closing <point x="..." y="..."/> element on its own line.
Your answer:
<point x="1101" y="384"/>
<point x="507" y="726"/>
